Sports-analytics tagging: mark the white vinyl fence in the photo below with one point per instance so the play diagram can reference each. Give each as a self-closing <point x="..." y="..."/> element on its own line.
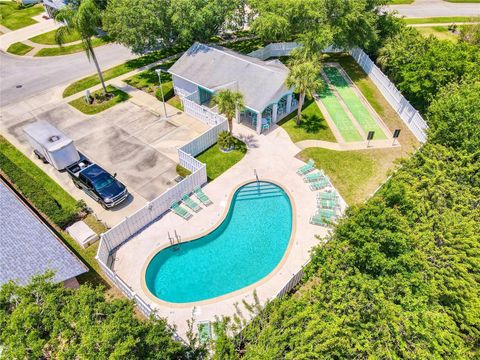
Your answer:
<point x="404" y="109"/>
<point x="409" y="115"/>
<point x="274" y="50"/>
<point x="192" y="107"/>
<point x="142" y="218"/>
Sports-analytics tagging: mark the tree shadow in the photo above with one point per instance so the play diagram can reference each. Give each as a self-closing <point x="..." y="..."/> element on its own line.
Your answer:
<point x="354" y="71"/>
<point x="312" y="124"/>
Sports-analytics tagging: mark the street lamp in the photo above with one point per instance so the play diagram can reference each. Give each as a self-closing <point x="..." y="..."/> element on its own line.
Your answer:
<point x="159" y="73"/>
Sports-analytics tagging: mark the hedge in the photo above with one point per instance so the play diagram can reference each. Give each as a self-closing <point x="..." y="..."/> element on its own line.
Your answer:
<point x="62" y="212"/>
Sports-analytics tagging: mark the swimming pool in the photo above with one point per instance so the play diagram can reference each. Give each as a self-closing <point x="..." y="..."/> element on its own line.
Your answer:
<point x="247" y="246"/>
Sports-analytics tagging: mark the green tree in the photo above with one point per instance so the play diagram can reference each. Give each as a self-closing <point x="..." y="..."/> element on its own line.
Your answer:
<point x="397" y="279"/>
<point x="199" y="20"/>
<point x="83" y="19"/>
<point x="420" y="66"/>
<point x="303" y="77"/>
<point x="454" y="116"/>
<point x="470" y="33"/>
<point x="141" y="25"/>
<point x="47" y="320"/>
<point x="271" y="27"/>
<point x="228" y="102"/>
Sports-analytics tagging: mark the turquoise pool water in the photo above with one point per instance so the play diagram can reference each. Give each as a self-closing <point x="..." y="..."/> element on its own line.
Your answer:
<point x="245" y="248"/>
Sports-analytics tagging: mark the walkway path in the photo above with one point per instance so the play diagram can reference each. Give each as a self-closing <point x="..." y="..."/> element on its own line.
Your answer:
<point x="26" y="33"/>
<point x="357" y="145"/>
<point x="433" y="8"/>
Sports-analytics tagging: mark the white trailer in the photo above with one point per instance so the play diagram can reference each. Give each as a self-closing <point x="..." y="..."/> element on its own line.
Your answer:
<point x="51" y="145"/>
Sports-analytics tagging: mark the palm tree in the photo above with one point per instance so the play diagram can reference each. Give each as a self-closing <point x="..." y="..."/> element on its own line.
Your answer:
<point x="84" y="19"/>
<point x="303" y="77"/>
<point x="228" y="102"/>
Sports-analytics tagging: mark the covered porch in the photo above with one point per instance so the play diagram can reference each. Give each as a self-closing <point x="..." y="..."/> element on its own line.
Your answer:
<point x="273" y="113"/>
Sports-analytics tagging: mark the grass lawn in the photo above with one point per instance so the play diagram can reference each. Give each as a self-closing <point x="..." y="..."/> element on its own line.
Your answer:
<point x="181" y="171"/>
<point x="440" y="32"/>
<point x="218" y="162"/>
<point x="355" y="174"/>
<point x="55" y="191"/>
<point x="69" y="49"/>
<point x="245" y="46"/>
<point x="118" y="70"/>
<point x="19" y="48"/>
<point x="95" y="108"/>
<point x="176" y="102"/>
<point x="312" y="127"/>
<point x="15" y="16"/>
<point x="48" y="38"/>
<point x="439" y="20"/>
<point x="148" y="81"/>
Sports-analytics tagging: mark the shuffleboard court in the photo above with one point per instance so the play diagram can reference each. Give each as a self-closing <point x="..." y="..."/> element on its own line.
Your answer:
<point x="364" y="118"/>
<point x="338" y="114"/>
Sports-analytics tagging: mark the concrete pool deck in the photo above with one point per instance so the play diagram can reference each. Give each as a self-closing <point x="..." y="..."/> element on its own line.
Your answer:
<point x="273" y="157"/>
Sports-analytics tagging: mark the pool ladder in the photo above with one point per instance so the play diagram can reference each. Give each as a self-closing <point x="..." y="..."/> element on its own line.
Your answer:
<point x="174" y="240"/>
<point x="256" y="175"/>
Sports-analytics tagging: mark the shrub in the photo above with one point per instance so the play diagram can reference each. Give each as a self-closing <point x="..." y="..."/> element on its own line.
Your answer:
<point x="225" y="140"/>
<point x="62" y="214"/>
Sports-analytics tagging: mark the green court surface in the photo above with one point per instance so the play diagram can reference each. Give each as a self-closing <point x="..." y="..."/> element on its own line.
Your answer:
<point x="353" y="102"/>
<point x="338" y="115"/>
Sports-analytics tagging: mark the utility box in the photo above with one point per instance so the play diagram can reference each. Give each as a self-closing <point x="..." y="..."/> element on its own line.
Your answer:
<point x="51" y="145"/>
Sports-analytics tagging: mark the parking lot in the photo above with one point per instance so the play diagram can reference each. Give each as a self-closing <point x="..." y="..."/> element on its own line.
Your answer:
<point x="128" y="140"/>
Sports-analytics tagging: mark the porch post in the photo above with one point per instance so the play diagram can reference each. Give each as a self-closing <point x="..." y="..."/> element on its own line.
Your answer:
<point x="289" y="103"/>
<point x="274" y="113"/>
<point x="259" y="123"/>
<point x="237" y="115"/>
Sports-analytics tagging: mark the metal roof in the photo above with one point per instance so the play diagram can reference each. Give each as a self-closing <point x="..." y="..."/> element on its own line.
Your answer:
<point x="28" y="247"/>
<point x="213" y="67"/>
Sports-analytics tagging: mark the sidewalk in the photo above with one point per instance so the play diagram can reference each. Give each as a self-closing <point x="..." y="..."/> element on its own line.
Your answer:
<point x="25" y="33"/>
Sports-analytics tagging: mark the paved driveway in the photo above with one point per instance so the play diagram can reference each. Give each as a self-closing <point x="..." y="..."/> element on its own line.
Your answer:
<point x="128" y="140"/>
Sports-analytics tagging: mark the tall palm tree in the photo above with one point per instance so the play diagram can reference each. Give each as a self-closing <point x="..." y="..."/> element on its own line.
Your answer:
<point x="303" y="77"/>
<point x="84" y="19"/>
<point x="228" y="101"/>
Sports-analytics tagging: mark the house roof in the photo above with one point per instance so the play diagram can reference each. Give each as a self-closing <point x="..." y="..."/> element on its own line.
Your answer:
<point x="215" y="67"/>
<point x="28" y="247"/>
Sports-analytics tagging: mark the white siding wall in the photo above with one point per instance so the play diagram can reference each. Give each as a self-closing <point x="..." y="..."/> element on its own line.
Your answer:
<point x="183" y="87"/>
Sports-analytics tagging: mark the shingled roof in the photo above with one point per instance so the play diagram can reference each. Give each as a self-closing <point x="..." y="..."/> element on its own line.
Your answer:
<point x="215" y="67"/>
<point x="28" y="247"/>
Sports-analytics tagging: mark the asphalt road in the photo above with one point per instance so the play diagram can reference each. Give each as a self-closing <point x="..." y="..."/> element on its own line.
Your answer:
<point x="433" y="8"/>
<point x="36" y="75"/>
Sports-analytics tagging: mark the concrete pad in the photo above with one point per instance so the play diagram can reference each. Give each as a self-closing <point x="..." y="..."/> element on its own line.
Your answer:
<point x="158" y="185"/>
<point x="156" y="131"/>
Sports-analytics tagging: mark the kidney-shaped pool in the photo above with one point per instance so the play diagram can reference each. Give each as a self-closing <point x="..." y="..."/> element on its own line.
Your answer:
<point x="243" y="249"/>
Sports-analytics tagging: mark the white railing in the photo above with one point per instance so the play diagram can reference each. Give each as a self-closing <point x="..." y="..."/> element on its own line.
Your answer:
<point x="204" y="114"/>
<point x="204" y="141"/>
<point x="404" y="109"/>
<point x="294" y="281"/>
<point x="282" y="49"/>
<point x="274" y="50"/>
<point x="142" y="218"/>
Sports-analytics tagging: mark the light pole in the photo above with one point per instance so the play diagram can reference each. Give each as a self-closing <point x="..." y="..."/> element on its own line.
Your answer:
<point x="159" y="73"/>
